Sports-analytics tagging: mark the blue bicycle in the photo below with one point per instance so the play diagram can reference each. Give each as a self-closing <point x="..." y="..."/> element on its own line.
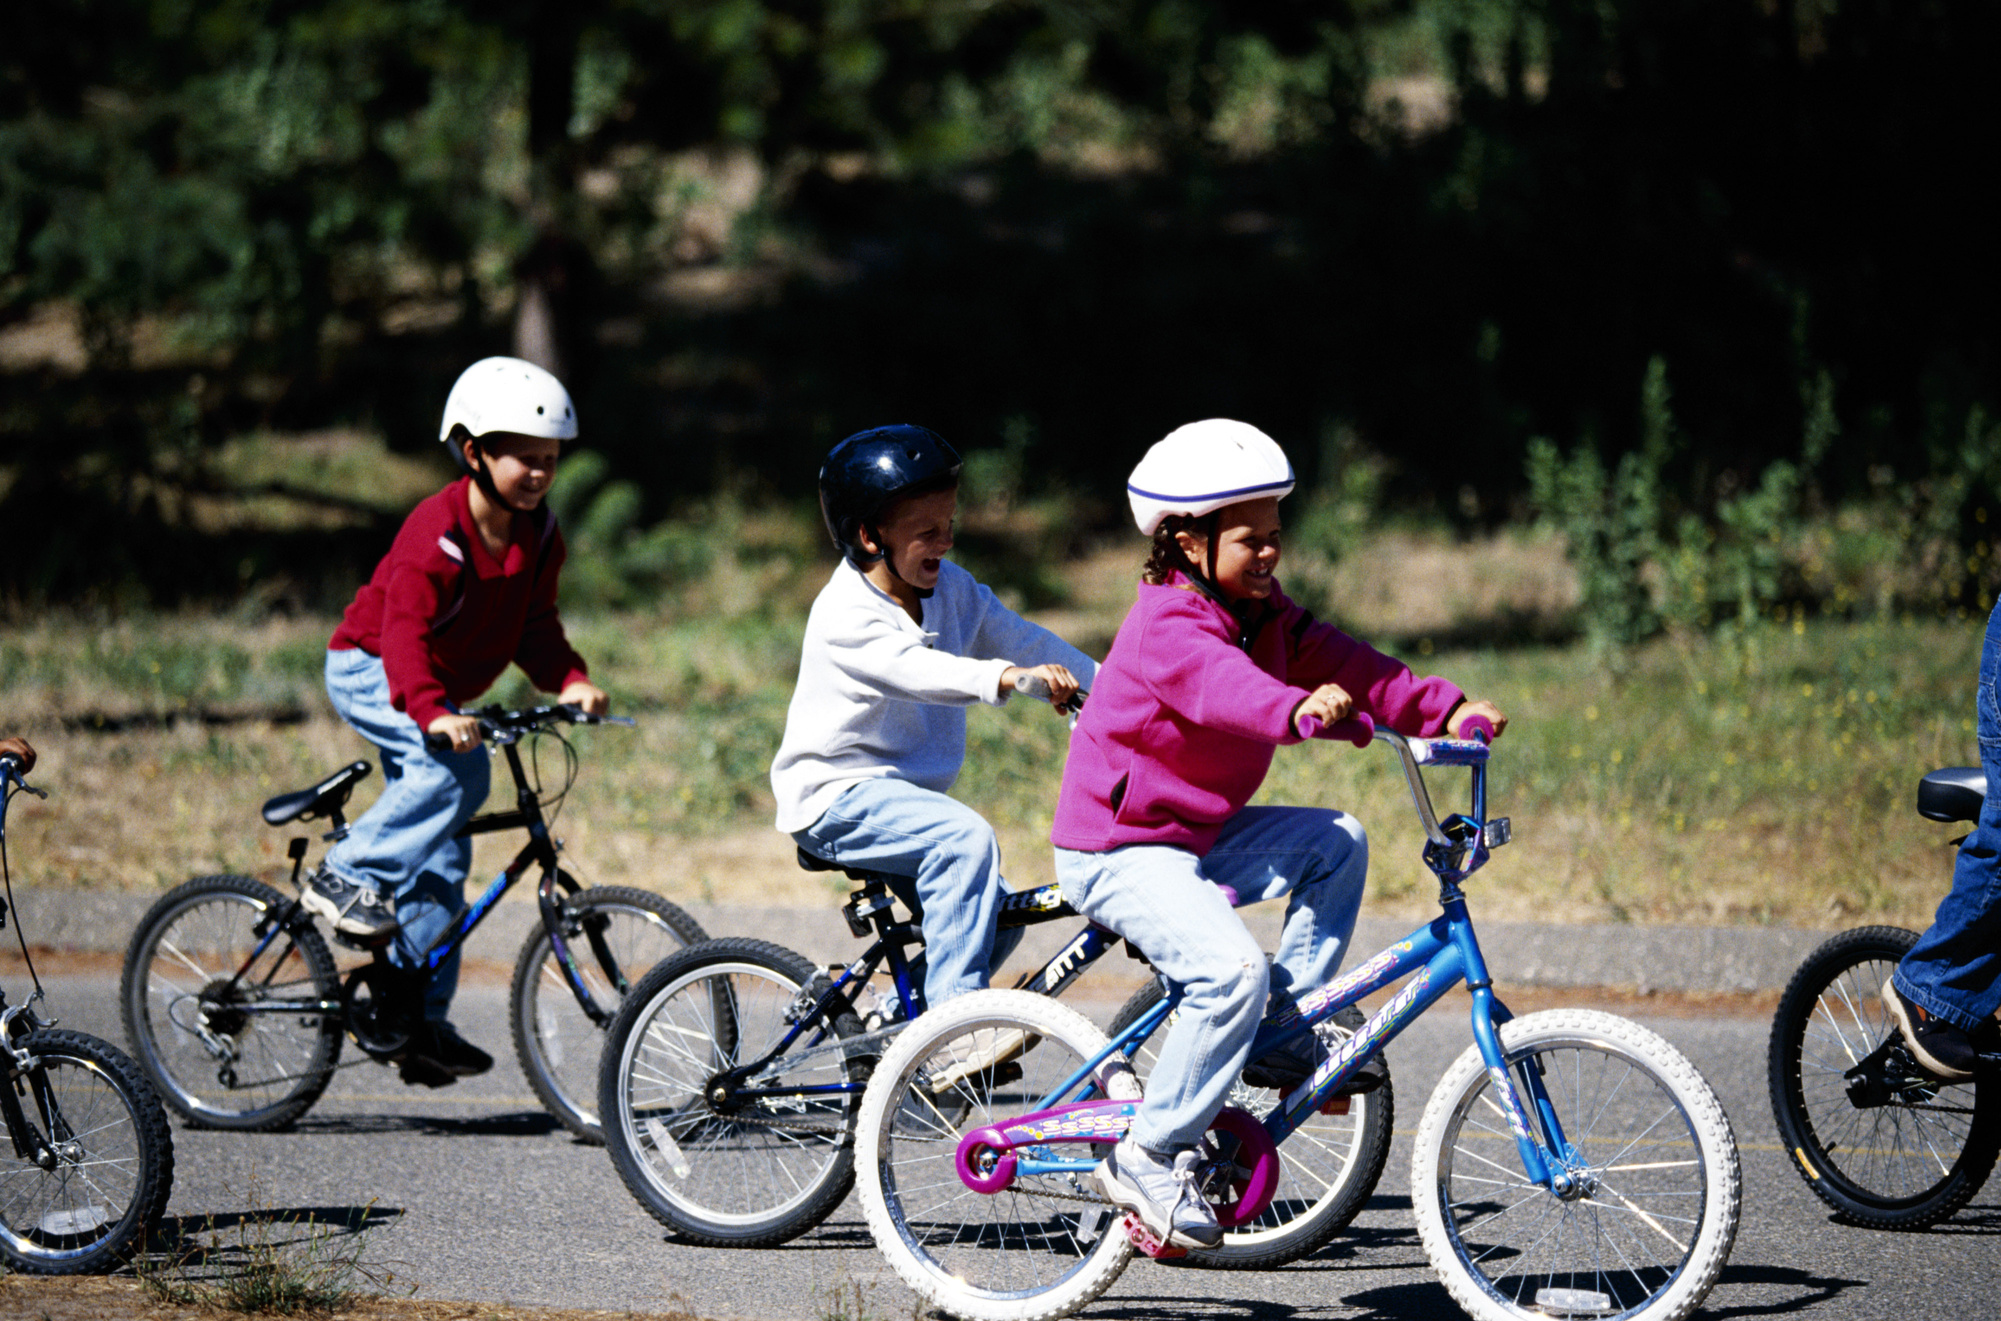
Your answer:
<point x="1570" y="1163"/>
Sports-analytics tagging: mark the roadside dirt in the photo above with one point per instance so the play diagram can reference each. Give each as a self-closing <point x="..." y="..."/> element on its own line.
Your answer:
<point x="95" y="1298"/>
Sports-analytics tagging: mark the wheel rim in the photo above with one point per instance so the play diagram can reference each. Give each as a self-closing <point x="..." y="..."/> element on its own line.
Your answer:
<point x="1890" y="1155"/>
<point x="566" y="1041"/>
<point x="199" y="1041"/>
<point x="1027" y="1240"/>
<point x="1636" y="1153"/>
<point x="68" y="1211"/>
<point x="751" y="1162"/>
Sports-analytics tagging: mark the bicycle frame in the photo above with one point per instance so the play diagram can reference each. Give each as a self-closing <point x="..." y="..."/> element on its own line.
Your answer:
<point x="1435" y="957"/>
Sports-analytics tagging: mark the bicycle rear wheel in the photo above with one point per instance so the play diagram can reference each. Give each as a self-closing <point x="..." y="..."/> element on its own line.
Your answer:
<point x="1906" y="1150"/>
<point x="723" y="1159"/>
<point x="614" y="934"/>
<point x="1650" y="1222"/>
<point x="1042" y="1247"/>
<point x="226" y="1013"/>
<point x="113" y="1159"/>
<point x="1329" y="1165"/>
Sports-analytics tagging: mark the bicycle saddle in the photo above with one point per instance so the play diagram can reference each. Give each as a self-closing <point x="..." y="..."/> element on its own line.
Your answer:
<point x="323" y="799"/>
<point x="1952" y="793"/>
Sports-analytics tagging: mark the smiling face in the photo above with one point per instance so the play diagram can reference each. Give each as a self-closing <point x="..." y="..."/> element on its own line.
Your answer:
<point x="521" y="466"/>
<point x="916" y="535"/>
<point x="1247" y="549"/>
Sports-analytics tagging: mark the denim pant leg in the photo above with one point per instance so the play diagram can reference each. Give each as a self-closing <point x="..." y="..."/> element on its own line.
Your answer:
<point x="1317" y="857"/>
<point x="1157" y="897"/>
<point x="1954" y="971"/>
<point x="403" y="845"/>
<point x="949" y="852"/>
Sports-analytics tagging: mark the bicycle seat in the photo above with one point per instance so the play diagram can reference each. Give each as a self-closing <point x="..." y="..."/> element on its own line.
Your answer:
<point x="1952" y="793"/>
<point x="814" y="862"/>
<point x="323" y="799"/>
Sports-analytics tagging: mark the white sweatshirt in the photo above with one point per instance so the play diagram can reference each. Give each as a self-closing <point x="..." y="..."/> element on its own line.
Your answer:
<point x="880" y="695"/>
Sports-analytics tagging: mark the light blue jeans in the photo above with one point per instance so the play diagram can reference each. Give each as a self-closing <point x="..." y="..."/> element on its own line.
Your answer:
<point x="1165" y="900"/>
<point x="952" y="860"/>
<point x="1954" y="971"/>
<point x="404" y="845"/>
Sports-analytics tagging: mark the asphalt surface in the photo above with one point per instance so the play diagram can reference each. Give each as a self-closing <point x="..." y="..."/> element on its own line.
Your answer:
<point x="473" y="1193"/>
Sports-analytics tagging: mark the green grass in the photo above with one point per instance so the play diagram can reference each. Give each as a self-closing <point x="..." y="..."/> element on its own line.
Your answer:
<point x="1769" y="781"/>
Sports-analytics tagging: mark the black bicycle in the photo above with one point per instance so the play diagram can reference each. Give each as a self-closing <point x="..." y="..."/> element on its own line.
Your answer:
<point x="1875" y="1137"/>
<point x="733" y="1073"/>
<point x="236" y="1010"/>
<point x="90" y="1160"/>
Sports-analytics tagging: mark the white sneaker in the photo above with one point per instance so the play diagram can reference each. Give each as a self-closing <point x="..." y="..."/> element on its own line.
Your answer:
<point x="975" y="1053"/>
<point x="355" y="910"/>
<point x="1162" y="1193"/>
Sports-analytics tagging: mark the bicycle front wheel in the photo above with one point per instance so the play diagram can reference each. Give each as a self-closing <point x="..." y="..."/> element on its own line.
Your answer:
<point x="109" y="1165"/>
<point x="235" y="1021"/>
<point x="1903" y="1153"/>
<point x="1042" y="1247"/>
<point x="724" y="1154"/>
<point x="1653" y="1211"/>
<point x="614" y="934"/>
<point x="1329" y="1166"/>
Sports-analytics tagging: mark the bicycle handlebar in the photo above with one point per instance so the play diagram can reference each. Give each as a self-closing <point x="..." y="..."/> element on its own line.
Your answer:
<point x="1031" y="684"/>
<point x="497" y="724"/>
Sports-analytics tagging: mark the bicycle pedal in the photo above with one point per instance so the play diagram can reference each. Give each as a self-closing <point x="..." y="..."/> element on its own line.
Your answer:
<point x="1146" y="1241"/>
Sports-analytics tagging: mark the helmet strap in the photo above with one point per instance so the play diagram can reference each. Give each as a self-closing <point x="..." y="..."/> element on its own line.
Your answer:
<point x="482" y="476"/>
<point x="888" y="556"/>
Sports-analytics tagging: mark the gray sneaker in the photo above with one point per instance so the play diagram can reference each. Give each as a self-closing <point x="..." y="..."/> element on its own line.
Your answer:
<point x="1161" y="1192"/>
<point x="355" y="910"/>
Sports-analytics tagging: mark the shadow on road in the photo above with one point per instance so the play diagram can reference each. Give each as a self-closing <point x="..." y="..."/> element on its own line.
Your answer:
<point x="526" y="1124"/>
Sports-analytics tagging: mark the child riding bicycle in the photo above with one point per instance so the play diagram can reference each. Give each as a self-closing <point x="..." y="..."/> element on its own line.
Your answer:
<point x="1212" y="669"/>
<point x="899" y="643"/>
<point x="468" y="586"/>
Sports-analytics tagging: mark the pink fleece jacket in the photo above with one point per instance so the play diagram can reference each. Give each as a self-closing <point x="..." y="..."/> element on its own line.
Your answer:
<point x="1180" y="727"/>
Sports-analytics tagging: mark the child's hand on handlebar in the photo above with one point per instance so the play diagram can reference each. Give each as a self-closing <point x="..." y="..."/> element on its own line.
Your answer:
<point x="19" y="749"/>
<point x="584" y="694"/>
<point x="1468" y="710"/>
<point x="1329" y="704"/>
<point x="460" y="732"/>
<point x="1061" y="685"/>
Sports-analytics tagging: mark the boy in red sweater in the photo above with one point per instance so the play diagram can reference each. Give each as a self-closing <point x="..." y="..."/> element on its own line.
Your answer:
<point x="468" y="586"/>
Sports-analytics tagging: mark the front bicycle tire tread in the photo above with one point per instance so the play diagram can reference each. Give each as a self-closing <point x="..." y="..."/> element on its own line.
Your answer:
<point x="620" y="1141"/>
<point x="1825" y="1176"/>
<point x="528" y="968"/>
<point x="155" y="1140"/>
<point x="312" y="949"/>
<point x="1697" y="1273"/>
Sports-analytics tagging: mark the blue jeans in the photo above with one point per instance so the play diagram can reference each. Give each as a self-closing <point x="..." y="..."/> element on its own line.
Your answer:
<point x="1954" y="971"/>
<point x="403" y="846"/>
<point x="952" y="860"/>
<point x="1165" y="900"/>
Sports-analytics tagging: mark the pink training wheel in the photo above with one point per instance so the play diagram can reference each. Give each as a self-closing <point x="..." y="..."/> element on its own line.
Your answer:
<point x="1255" y="1166"/>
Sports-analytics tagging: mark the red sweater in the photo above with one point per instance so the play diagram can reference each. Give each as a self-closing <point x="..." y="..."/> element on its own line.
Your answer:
<point x="446" y="618"/>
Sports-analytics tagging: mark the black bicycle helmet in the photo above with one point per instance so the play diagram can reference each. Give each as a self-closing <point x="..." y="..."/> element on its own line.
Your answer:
<point x="866" y="471"/>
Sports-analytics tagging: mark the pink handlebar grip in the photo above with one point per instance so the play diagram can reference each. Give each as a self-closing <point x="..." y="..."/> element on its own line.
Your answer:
<point x="1477" y="727"/>
<point x="1357" y="729"/>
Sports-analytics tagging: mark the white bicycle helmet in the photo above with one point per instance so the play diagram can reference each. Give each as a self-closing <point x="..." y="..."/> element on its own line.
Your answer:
<point x="509" y="394"/>
<point x="1199" y="468"/>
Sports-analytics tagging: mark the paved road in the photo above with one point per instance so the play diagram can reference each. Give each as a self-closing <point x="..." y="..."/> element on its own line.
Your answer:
<point x="473" y="1193"/>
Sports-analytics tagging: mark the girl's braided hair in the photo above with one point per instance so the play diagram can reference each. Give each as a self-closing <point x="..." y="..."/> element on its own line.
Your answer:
<point x="1166" y="556"/>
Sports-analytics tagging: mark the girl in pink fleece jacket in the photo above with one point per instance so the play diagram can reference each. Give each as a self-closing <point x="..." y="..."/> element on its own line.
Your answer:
<point x="1210" y="672"/>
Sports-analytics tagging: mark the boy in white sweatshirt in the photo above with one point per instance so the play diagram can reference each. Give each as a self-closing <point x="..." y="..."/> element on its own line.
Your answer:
<point x="899" y="643"/>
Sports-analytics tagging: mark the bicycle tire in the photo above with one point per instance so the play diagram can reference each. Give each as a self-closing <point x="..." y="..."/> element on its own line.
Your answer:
<point x="1343" y="1155"/>
<point x="1043" y="1247"/>
<point x="556" y="1042"/>
<point x="115" y="1161"/>
<point x="1905" y="1164"/>
<point x="1509" y="1250"/>
<point x="750" y="1176"/>
<point x="190" y="1043"/>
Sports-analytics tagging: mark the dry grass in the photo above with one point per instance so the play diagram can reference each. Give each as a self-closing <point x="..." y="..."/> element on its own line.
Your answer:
<point x="94" y="1298"/>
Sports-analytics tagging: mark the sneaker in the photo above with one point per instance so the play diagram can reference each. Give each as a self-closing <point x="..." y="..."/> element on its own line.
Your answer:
<point x="1161" y="1192"/>
<point x="1945" y="1051"/>
<point x="416" y="1071"/>
<point x="355" y="910"/>
<point x="987" y="1048"/>
<point x="438" y="1043"/>
<point x="1288" y="1066"/>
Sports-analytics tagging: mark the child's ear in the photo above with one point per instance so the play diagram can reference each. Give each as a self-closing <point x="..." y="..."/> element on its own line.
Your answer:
<point x="469" y="448"/>
<point x="866" y="536"/>
<point x="1193" y="546"/>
